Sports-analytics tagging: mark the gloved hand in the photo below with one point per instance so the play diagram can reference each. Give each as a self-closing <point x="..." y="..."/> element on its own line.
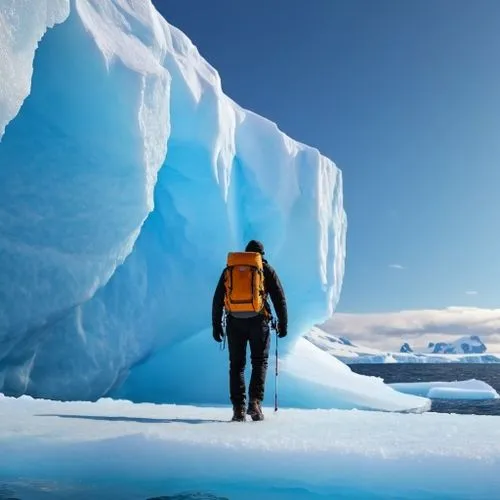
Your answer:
<point x="218" y="334"/>
<point x="282" y="331"/>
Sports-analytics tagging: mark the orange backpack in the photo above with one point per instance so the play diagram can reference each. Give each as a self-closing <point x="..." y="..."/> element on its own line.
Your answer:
<point x="244" y="282"/>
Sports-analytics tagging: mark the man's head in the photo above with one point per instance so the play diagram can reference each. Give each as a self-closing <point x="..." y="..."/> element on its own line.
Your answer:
<point x="255" y="246"/>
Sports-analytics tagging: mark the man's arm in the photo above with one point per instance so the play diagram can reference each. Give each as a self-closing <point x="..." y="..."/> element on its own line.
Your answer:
<point x="218" y="304"/>
<point x="275" y="290"/>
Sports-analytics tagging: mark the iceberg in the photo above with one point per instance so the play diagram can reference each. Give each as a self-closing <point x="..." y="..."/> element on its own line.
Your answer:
<point x="463" y="390"/>
<point x="185" y="452"/>
<point x="126" y="174"/>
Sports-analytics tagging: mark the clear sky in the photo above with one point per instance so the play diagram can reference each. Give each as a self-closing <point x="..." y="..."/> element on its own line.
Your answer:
<point x="405" y="97"/>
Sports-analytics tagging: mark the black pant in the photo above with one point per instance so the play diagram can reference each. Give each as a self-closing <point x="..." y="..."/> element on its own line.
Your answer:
<point x="255" y="331"/>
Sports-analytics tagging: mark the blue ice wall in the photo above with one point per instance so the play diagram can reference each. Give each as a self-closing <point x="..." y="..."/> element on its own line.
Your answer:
<point x="126" y="175"/>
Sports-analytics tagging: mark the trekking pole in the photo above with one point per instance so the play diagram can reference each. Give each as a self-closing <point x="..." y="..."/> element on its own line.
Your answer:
<point x="276" y="370"/>
<point x="224" y="334"/>
<point x="276" y="378"/>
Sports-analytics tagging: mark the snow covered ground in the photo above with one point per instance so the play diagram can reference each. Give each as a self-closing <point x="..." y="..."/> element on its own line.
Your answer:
<point x="349" y="352"/>
<point x="116" y="449"/>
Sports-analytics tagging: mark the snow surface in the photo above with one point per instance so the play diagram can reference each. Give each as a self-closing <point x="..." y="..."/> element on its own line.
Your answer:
<point x="464" y="390"/>
<point x="126" y="175"/>
<point x="154" y="450"/>
<point x="351" y="353"/>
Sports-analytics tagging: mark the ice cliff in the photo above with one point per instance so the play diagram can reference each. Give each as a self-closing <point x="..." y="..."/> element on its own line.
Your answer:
<point x="126" y="174"/>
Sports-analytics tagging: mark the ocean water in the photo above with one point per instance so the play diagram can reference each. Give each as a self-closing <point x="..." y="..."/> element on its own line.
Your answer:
<point x="449" y="372"/>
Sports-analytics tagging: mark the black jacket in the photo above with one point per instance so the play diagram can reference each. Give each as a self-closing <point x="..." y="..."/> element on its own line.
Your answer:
<point x="273" y="289"/>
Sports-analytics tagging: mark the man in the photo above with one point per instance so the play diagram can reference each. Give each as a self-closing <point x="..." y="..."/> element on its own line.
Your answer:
<point x="253" y="329"/>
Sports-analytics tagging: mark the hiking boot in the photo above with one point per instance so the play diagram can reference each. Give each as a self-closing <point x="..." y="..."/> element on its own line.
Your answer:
<point x="255" y="410"/>
<point x="238" y="414"/>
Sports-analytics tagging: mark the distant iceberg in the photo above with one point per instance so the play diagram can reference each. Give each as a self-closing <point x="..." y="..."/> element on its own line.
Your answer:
<point x="462" y="390"/>
<point x="351" y="353"/>
<point x="464" y="345"/>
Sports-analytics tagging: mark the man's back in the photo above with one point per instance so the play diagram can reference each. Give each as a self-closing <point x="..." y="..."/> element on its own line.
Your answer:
<point x="273" y="290"/>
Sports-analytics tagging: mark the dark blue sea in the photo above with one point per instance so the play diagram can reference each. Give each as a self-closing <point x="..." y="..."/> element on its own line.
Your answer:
<point x="449" y="372"/>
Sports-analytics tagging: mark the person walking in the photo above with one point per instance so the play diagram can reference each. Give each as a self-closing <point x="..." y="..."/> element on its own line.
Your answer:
<point x="241" y="297"/>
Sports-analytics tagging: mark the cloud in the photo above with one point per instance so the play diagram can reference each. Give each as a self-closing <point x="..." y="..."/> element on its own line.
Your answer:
<point x="418" y="327"/>
<point x="396" y="266"/>
<point x="471" y="292"/>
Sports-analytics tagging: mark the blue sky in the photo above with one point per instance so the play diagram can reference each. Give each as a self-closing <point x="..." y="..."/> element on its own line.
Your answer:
<point x="405" y="98"/>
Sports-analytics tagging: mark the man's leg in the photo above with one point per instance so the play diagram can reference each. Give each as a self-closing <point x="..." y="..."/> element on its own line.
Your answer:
<point x="260" y="339"/>
<point x="237" y="344"/>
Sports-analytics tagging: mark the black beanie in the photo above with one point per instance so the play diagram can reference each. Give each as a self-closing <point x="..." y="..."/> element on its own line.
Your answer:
<point x="255" y="246"/>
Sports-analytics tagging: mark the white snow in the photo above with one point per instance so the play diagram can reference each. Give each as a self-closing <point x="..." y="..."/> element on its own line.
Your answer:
<point x="466" y="389"/>
<point x="126" y="176"/>
<point x="115" y="449"/>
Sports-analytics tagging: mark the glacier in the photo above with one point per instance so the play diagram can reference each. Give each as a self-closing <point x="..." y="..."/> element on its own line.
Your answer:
<point x="55" y="450"/>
